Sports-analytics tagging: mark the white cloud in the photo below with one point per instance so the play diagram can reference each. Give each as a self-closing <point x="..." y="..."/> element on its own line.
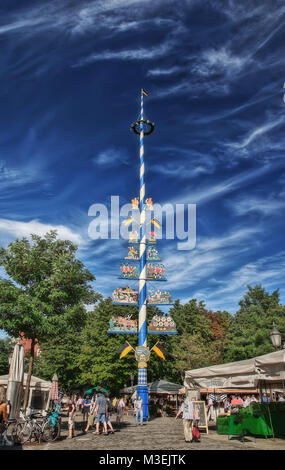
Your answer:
<point x="213" y="61"/>
<point x="15" y="229"/>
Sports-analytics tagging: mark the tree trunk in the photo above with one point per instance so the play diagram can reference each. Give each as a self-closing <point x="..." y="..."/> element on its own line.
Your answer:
<point x="29" y="376"/>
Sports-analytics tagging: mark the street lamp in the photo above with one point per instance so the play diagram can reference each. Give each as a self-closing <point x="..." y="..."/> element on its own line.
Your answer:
<point x="275" y="337"/>
<point x="132" y="379"/>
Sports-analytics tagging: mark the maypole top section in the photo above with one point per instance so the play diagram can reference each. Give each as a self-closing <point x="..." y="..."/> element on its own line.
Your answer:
<point x="142" y="124"/>
<point x="148" y="126"/>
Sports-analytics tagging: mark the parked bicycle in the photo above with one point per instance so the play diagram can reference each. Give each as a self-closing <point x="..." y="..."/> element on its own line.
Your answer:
<point x="37" y="426"/>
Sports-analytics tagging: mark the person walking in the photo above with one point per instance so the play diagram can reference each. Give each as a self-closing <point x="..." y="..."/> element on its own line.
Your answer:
<point x="138" y="407"/>
<point x="188" y="416"/>
<point x="71" y="416"/>
<point x="120" y="405"/>
<point x="79" y="403"/>
<point x="86" y="404"/>
<point x="91" y="417"/>
<point x="101" y="410"/>
<point x="210" y="409"/>
<point x="108" y="415"/>
<point x="226" y="405"/>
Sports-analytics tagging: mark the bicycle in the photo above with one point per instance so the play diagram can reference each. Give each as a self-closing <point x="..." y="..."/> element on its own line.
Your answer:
<point x="28" y="427"/>
<point x="42" y="428"/>
<point x="6" y="436"/>
<point x="52" y="425"/>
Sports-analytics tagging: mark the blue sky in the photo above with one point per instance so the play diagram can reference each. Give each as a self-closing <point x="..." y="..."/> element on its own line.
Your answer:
<point x="70" y="80"/>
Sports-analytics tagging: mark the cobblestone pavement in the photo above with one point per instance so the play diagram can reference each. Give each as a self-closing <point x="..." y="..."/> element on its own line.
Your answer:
<point x="158" y="434"/>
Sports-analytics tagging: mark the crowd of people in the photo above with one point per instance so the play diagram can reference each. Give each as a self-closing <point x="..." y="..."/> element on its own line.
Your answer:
<point x="232" y="401"/>
<point x="98" y="410"/>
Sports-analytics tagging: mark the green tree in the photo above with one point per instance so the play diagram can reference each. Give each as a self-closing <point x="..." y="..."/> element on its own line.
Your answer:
<point x="47" y="290"/>
<point x="249" y="334"/>
<point x="200" y="340"/>
<point x="60" y="355"/>
<point x="6" y="349"/>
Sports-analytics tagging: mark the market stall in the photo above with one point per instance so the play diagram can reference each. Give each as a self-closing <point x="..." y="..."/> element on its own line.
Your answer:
<point x="164" y="397"/>
<point x="258" y="373"/>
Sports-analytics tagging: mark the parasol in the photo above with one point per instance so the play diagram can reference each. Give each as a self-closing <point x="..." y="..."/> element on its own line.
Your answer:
<point x="15" y="380"/>
<point x="54" y="388"/>
<point x="97" y="389"/>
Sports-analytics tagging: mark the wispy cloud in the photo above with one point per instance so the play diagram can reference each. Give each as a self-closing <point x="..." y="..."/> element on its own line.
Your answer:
<point x="136" y="54"/>
<point x="163" y="72"/>
<point x="207" y="192"/>
<point x="110" y="157"/>
<point x="266" y="205"/>
<point x="257" y="132"/>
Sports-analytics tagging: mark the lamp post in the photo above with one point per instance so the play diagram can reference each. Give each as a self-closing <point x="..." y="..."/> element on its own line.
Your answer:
<point x="132" y="379"/>
<point x="275" y="337"/>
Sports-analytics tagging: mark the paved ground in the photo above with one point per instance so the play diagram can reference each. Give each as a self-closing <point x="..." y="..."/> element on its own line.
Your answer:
<point x="158" y="434"/>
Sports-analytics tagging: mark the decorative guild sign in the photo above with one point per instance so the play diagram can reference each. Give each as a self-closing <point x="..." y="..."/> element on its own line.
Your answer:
<point x="162" y="325"/>
<point x="133" y="253"/>
<point x="159" y="297"/>
<point x="152" y="254"/>
<point x="142" y="354"/>
<point x="125" y="295"/>
<point x="123" y="325"/>
<point x="129" y="271"/>
<point x="155" y="271"/>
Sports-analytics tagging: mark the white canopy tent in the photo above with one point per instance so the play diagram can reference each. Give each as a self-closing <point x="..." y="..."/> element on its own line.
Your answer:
<point x="245" y="374"/>
<point x="39" y="391"/>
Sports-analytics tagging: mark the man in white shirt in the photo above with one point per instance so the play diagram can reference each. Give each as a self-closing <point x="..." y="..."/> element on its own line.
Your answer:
<point x="138" y="406"/>
<point x="188" y="415"/>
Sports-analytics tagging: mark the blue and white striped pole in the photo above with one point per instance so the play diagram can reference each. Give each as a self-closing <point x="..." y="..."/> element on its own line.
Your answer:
<point x="142" y="371"/>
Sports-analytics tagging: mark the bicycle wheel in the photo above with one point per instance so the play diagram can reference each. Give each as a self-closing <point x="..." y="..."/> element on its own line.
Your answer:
<point x="47" y="431"/>
<point x="10" y="431"/>
<point x="55" y="431"/>
<point x="36" y="431"/>
<point x="23" y="432"/>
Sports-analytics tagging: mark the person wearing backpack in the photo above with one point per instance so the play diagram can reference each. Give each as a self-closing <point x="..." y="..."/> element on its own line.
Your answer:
<point x="188" y="416"/>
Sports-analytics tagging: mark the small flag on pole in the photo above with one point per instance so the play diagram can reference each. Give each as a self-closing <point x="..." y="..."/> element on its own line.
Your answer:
<point x="144" y="92"/>
<point x="128" y="221"/>
<point x="159" y="350"/>
<point x="156" y="223"/>
<point x="124" y="350"/>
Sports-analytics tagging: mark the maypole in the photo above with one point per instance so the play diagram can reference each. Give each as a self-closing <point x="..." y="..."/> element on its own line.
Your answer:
<point x="142" y="264"/>
<point x="142" y="367"/>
